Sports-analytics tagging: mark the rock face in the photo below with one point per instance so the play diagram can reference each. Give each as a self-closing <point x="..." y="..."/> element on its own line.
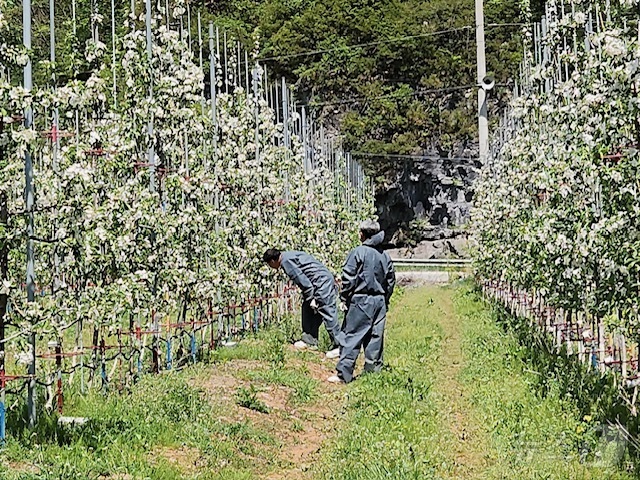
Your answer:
<point x="428" y="200"/>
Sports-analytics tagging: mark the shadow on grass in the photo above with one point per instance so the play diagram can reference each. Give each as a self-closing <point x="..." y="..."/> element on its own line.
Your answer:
<point x="595" y="395"/>
<point x="48" y="431"/>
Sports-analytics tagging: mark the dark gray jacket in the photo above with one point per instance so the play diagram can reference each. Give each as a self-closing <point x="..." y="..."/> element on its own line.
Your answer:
<point x="313" y="278"/>
<point x="368" y="271"/>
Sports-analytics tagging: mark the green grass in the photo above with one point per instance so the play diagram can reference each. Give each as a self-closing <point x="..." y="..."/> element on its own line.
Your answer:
<point x="535" y="434"/>
<point x="391" y="428"/>
<point x="304" y="389"/>
<point x="458" y="400"/>
<point x="166" y="427"/>
<point x="139" y="433"/>
<point x="267" y="344"/>
<point x="127" y="434"/>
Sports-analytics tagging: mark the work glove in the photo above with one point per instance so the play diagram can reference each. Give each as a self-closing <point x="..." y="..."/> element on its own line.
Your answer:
<point x="313" y="304"/>
<point x="343" y="307"/>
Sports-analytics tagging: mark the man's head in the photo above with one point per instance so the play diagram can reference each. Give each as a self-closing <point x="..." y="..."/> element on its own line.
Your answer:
<point x="272" y="257"/>
<point x="368" y="229"/>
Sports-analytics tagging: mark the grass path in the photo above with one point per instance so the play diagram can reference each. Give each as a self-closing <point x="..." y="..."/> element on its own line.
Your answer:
<point x="470" y="441"/>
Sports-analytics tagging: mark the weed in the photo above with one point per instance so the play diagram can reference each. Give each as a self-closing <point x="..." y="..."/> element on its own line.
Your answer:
<point x="303" y="388"/>
<point x="296" y="426"/>
<point x="275" y="351"/>
<point x="248" y="398"/>
<point x="289" y="328"/>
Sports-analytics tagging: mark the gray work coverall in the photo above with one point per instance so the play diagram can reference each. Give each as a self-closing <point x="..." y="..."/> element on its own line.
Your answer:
<point x="315" y="282"/>
<point x="368" y="280"/>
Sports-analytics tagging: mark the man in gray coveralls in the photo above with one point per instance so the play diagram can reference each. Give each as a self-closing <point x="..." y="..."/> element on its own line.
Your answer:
<point x="319" y="295"/>
<point x="368" y="280"/>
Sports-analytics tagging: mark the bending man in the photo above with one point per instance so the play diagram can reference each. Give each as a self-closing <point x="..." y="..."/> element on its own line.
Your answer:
<point x="368" y="280"/>
<point x="319" y="295"/>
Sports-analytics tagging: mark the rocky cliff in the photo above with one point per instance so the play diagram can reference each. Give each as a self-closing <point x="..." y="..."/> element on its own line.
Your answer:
<point x="428" y="199"/>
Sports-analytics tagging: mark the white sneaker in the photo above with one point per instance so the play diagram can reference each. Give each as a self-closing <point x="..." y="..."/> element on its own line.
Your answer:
<point x="300" y="345"/>
<point x="335" y="353"/>
<point x="335" y="379"/>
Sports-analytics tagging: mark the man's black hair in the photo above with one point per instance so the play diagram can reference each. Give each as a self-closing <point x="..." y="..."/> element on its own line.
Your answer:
<point x="369" y="228"/>
<point x="270" y="255"/>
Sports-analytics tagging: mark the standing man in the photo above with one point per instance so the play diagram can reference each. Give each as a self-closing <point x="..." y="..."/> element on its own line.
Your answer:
<point x="368" y="280"/>
<point x="319" y="295"/>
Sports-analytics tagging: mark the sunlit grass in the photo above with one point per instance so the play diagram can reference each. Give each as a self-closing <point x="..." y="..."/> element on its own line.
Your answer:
<point x="398" y="424"/>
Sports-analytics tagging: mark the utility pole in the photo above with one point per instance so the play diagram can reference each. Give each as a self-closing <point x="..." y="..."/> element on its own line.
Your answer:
<point x="484" y="84"/>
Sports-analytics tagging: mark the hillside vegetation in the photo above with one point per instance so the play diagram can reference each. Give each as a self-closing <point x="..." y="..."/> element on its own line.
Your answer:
<point x="409" y="87"/>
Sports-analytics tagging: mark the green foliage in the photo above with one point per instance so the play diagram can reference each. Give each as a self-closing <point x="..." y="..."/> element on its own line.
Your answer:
<point x="248" y="398"/>
<point x="248" y="349"/>
<point x="287" y="330"/>
<point x="275" y="351"/>
<point x="303" y="387"/>
<point x="289" y="327"/>
<point x="393" y="96"/>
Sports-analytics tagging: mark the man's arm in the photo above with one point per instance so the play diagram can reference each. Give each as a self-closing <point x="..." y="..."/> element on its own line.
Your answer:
<point x="349" y="277"/>
<point x="390" y="277"/>
<point x="298" y="277"/>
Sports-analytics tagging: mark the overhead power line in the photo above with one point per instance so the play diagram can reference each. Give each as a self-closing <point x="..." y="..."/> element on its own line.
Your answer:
<point x="415" y="93"/>
<point x="514" y="24"/>
<point x="424" y="91"/>
<point x="368" y="44"/>
<point x="381" y="42"/>
<point x="424" y="158"/>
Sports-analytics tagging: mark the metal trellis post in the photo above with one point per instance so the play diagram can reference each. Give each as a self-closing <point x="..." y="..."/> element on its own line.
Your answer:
<point x="29" y="200"/>
<point x="150" y="152"/>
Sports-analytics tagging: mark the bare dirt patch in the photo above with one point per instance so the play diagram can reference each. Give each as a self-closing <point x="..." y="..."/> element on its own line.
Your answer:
<point x="222" y="380"/>
<point x="299" y="430"/>
<point x="319" y="370"/>
<point x="276" y="397"/>
<point x="187" y="459"/>
<point x="23" y="467"/>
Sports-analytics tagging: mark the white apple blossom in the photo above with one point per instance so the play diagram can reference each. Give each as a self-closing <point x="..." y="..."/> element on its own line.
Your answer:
<point x="557" y="206"/>
<point x="580" y="18"/>
<point x="114" y="252"/>
<point x="614" y="46"/>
